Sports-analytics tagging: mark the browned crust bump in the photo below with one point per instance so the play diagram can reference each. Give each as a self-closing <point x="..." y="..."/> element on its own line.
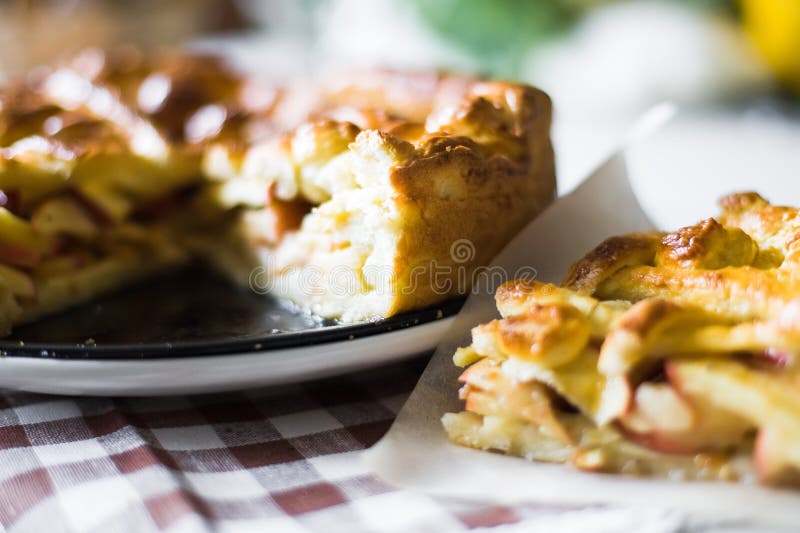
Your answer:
<point x="610" y="256"/>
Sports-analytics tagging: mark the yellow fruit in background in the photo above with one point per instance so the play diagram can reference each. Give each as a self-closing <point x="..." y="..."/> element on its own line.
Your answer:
<point x="774" y="27"/>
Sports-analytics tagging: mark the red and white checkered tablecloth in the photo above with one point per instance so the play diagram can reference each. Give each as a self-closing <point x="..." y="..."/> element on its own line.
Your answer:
<point x="279" y="459"/>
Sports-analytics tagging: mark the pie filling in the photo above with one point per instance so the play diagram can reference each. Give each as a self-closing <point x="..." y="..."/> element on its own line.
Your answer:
<point x="328" y="233"/>
<point x="665" y="354"/>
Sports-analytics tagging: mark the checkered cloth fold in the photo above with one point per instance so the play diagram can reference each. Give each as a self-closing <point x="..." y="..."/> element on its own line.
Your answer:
<point x="278" y="459"/>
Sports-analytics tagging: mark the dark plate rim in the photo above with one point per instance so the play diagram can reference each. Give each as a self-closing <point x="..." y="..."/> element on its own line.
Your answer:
<point x="261" y="343"/>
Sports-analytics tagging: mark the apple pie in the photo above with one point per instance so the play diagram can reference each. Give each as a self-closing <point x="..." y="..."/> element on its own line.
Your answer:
<point x="665" y="354"/>
<point x="344" y="196"/>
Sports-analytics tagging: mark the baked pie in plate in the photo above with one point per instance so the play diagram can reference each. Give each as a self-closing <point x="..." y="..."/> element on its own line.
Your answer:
<point x="663" y="354"/>
<point x="343" y="197"/>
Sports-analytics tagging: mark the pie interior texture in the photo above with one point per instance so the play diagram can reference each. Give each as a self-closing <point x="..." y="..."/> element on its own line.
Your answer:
<point x="340" y="196"/>
<point x="664" y="354"/>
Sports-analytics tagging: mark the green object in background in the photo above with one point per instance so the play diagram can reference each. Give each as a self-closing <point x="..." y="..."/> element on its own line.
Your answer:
<point x="498" y="33"/>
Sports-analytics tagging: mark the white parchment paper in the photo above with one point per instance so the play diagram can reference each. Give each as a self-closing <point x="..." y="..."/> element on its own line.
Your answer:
<point x="677" y="174"/>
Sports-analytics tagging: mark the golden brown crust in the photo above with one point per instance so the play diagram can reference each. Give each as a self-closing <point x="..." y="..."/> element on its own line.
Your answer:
<point x="551" y="335"/>
<point x="707" y="245"/>
<point x="167" y="88"/>
<point x="611" y="255"/>
<point x="494" y="162"/>
<point x="741" y="265"/>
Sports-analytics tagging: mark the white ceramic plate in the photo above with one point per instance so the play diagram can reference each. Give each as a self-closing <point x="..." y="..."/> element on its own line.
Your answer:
<point x="192" y="333"/>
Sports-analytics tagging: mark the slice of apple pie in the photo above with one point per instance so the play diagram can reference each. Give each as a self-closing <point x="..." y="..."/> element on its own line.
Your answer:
<point x="367" y="201"/>
<point x="668" y="354"/>
<point x="344" y="196"/>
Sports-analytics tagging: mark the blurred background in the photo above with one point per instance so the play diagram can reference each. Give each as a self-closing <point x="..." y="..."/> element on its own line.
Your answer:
<point x="603" y="61"/>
